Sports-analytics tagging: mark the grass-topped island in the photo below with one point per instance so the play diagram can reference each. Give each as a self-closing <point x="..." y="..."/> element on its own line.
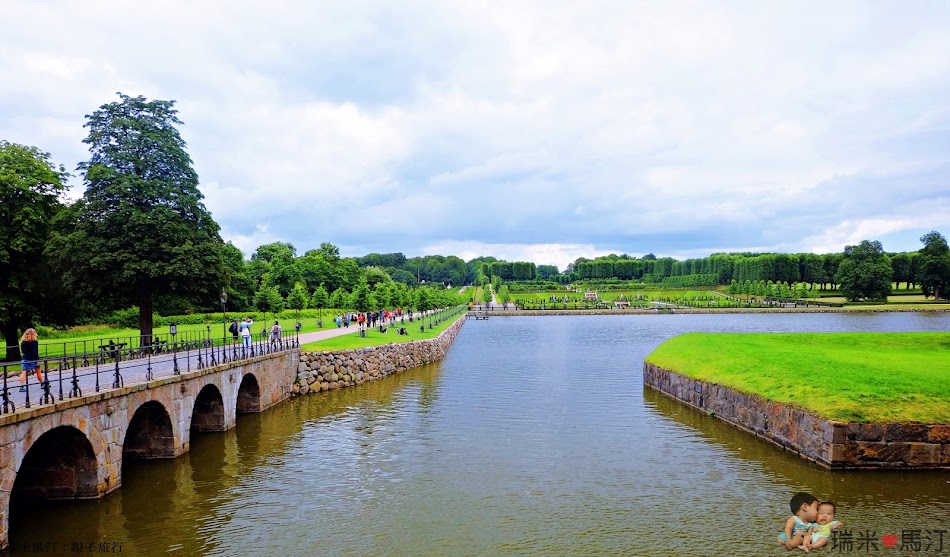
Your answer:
<point x="844" y="400"/>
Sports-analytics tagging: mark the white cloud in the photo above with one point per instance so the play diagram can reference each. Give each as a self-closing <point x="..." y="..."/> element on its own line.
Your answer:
<point x="849" y="233"/>
<point x="665" y="127"/>
<point x="560" y="255"/>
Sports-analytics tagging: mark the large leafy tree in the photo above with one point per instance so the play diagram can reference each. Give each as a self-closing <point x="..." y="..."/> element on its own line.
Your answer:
<point x="865" y="272"/>
<point x="316" y="270"/>
<point x="361" y="299"/>
<point x="268" y="300"/>
<point x="340" y="299"/>
<point x="243" y="283"/>
<point x="274" y="265"/>
<point x="900" y="263"/>
<point x="298" y="298"/>
<point x="140" y="228"/>
<point x="30" y="185"/>
<point x="934" y="268"/>
<point x="320" y="300"/>
<point x="375" y="275"/>
<point x="810" y="269"/>
<point x="384" y="294"/>
<point x="329" y="252"/>
<point x="545" y="272"/>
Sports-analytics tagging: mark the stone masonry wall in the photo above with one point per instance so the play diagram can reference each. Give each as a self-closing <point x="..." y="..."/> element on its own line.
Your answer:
<point x="829" y="443"/>
<point x="326" y="371"/>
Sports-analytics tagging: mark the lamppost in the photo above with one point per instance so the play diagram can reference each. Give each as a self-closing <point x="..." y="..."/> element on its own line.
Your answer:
<point x="224" y="313"/>
<point x="173" y="330"/>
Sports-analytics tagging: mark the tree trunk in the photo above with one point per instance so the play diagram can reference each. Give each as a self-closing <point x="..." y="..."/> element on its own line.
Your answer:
<point x="145" y="315"/>
<point x="12" y="338"/>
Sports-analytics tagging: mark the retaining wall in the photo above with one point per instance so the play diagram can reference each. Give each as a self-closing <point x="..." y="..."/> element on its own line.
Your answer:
<point x="830" y="443"/>
<point x="327" y="371"/>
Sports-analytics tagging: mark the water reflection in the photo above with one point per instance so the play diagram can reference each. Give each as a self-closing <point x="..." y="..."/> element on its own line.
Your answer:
<point x="533" y="436"/>
<point x="885" y="501"/>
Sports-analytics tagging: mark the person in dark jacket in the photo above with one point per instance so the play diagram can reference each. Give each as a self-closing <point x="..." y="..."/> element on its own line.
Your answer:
<point x="30" y="353"/>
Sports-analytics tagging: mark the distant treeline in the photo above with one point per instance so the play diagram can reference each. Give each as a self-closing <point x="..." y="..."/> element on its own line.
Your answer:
<point x="722" y="268"/>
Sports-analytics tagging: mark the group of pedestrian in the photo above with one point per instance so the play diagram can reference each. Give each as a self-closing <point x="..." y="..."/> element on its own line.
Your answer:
<point x="369" y="319"/>
<point x="242" y="329"/>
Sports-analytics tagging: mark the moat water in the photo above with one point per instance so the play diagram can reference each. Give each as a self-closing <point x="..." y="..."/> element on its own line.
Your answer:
<point x="534" y="436"/>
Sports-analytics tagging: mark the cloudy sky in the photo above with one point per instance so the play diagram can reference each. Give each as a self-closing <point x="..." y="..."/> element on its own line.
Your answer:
<point x="537" y="131"/>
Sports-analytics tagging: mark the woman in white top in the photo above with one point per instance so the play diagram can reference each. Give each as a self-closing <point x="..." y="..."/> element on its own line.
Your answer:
<point x="246" y="332"/>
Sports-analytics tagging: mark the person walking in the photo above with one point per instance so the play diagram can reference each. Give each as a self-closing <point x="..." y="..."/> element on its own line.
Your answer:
<point x="30" y="354"/>
<point x="235" y="330"/>
<point x="275" y="332"/>
<point x="246" y="332"/>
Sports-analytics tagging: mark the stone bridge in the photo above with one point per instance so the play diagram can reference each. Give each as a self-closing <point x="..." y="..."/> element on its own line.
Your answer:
<point x="74" y="449"/>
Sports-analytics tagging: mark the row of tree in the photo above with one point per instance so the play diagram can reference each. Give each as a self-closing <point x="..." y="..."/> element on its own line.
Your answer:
<point x="141" y="236"/>
<point x="771" y="290"/>
<point x="384" y="295"/>
<point x="922" y="267"/>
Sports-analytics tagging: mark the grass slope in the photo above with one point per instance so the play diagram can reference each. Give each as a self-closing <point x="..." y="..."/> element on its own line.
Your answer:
<point x="863" y="377"/>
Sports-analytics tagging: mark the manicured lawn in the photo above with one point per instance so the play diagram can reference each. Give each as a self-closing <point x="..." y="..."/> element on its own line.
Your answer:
<point x="375" y="338"/>
<point x="863" y="377"/>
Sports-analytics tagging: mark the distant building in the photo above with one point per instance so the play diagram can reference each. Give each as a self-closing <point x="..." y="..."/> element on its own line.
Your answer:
<point x="621" y="302"/>
<point x="590" y="295"/>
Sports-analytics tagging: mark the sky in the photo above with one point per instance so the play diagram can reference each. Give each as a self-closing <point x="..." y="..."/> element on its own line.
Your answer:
<point x="534" y="131"/>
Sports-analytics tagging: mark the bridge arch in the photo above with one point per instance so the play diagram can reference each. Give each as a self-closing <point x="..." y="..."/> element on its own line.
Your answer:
<point x="60" y="464"/>
<point x="209" y="411"/>
<point x="93" y="433"/>
<point x="150" y="433"/>
<point x="249" y="395"/>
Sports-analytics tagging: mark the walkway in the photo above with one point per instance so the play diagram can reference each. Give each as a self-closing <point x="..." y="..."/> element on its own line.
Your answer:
<point x="333" y="331"/>
<point x="90" y="378"/>
<point x="102" y="377"/>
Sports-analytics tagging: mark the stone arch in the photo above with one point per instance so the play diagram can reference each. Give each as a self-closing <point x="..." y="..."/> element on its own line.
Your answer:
<point x="149" y="434"/>
<point x="249" y="395"/>
<point x="208" y="413"/>
<point x="60" y="464"/>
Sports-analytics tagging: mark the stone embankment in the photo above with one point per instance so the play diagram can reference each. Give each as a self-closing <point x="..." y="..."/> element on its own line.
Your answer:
<point x="831" y="444"/>
<point x="327" y="371"/>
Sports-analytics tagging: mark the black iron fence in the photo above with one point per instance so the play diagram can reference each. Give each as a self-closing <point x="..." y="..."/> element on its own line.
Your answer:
<point x="131" y="345"/>
<point x="110" y="366"/>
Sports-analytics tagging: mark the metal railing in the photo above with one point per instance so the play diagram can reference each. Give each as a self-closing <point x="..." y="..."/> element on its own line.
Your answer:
<point x="66" y="377"/>
<point x="56" y="349"/>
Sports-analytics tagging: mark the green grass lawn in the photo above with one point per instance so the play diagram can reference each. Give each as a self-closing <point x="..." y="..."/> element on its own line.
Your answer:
<point x="375" y="338"/>
<point x="862" y="377"/>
